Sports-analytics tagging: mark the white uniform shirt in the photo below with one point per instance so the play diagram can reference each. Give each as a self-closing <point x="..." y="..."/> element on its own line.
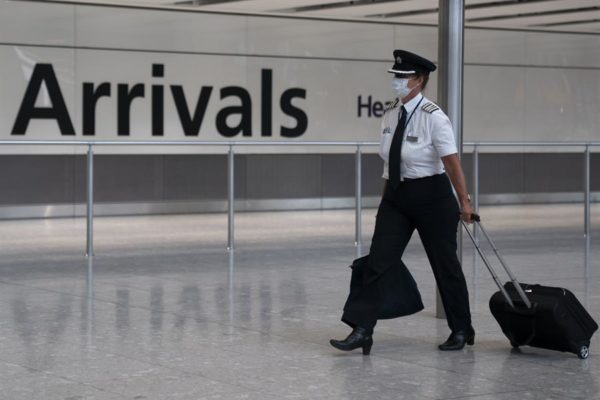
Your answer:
<point x="431" y="137"/>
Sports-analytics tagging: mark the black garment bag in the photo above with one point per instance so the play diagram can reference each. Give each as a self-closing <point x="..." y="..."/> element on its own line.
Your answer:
<point x="396" y="291"/>
<point x="535" y="315"/>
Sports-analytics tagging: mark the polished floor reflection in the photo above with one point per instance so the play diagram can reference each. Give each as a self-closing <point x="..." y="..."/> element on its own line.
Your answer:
<point x="163" y="311"/>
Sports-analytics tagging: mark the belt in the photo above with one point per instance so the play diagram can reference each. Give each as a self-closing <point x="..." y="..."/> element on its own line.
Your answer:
<point x="418" y="179"/>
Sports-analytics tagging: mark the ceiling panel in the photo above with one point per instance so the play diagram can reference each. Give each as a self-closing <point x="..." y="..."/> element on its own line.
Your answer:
<point x="376" y="9"/>
<point x="383" y="9"/>
<point x="526" y="8"/>
<point x="145" y="2"/>
<point x="259" y="5"/>
<point x="517" y="14"/>
<point x="416" y="19"/>
<point x="540" y="21"/>
<point x="589" y="27"/>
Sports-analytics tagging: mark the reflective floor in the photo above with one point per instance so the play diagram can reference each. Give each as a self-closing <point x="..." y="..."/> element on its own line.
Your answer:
<point x="163" y="311"/>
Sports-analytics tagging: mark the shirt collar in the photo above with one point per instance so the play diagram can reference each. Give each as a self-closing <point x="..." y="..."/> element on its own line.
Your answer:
<point x="412" y="103"/>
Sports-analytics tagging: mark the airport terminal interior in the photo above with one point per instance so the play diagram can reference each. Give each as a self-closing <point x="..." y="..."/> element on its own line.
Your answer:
<point x="184" y="186"/>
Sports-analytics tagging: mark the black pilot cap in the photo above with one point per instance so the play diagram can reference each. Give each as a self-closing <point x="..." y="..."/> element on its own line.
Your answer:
<point x="407" y="63"/>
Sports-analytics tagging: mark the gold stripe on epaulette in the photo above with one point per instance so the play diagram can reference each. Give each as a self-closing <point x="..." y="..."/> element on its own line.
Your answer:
<point x="429" y="107"/>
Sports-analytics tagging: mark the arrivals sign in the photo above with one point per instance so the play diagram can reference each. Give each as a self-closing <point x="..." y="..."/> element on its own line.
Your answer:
<point x="190" y="117"/>
<point x="66" y="94"/>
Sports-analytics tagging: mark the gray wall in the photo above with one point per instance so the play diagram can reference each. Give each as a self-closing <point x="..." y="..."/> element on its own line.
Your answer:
<point x="148" y="178"/>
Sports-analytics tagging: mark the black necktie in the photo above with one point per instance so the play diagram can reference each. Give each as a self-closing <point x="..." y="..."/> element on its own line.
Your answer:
<point x="396" y="150"/>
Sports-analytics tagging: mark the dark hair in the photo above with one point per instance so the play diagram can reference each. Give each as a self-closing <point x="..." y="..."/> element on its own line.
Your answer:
<point x="425" y="76"/>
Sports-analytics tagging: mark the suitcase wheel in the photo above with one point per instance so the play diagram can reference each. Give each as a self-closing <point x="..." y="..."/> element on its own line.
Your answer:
<point x="584" y="352"/>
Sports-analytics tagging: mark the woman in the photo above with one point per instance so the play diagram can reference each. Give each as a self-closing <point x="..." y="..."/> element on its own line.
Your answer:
<point x="420" y="154"/>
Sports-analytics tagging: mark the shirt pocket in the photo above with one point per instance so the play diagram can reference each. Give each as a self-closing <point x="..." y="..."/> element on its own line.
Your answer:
<point x="384" y="146"/>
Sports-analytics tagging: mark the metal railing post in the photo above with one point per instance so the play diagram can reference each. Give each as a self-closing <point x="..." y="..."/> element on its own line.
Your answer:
<point x="231" y="198"/>
<point x="358" y="217"/>
<point x="587" y="216"/>
<point x="90" y="202"/>
<point x="475" y="199"/>
<point x="451" y="28"/>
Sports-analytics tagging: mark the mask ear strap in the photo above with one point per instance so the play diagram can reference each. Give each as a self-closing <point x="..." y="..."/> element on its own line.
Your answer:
<point x="422" y="77"/>
<point x="418" y="86"/>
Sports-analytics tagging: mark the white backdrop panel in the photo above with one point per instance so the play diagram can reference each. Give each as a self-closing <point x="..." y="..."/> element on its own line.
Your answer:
<point x="160" y="30"/>
<point x="330" y="39"/>
<point x="37" y="23"/>
<point x="562" y="105"/>
<point x="494" y="103"/>
<point x="518" y="85"/>
<point x="495" y="47"/>
<point x="563" y="49"/>
<point x="419" y="39"/>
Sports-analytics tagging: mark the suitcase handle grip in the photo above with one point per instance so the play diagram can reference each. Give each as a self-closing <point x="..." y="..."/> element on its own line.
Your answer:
<point x="477" y="220"/>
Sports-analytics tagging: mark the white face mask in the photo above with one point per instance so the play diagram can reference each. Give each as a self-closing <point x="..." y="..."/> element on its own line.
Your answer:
<point x="400" y="87"/>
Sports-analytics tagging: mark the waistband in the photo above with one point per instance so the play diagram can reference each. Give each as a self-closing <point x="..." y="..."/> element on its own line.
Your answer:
<point x="422" y="178"/>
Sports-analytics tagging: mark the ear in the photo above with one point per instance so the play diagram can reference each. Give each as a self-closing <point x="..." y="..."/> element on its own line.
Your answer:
<point x="421" y="80"/>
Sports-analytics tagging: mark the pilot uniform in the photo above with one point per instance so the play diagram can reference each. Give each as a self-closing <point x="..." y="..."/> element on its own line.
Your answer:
<point x="420" y="197"/>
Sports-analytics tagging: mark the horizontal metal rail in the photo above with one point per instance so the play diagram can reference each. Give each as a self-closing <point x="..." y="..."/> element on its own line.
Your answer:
<point x="230" y="145"/>
<point x="529" y="144"/>
<point x="269" y="143"/>
<point x="183" y="143"/>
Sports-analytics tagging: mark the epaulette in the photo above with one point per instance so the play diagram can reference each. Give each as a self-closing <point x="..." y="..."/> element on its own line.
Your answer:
<point x="429" y="107"/>
<point x="391" y="104"/>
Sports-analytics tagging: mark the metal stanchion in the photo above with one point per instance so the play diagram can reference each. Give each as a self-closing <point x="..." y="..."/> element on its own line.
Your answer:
<point x="587" y="217"/>
<point x="89" y="300"/>
<point x="231" y="197"/>
<point x="90" y="202"/>
<point x="475" y="199"/>
<point x="231" y="291"/>
<point x="450" y="79"/>
<point x="358" y="174"/>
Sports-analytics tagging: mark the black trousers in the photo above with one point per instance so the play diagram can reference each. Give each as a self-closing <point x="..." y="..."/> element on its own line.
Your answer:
<point x="429" y="206"/>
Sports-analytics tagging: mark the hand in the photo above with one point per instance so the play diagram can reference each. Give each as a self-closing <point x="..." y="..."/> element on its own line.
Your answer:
<point x="467" y="211"/>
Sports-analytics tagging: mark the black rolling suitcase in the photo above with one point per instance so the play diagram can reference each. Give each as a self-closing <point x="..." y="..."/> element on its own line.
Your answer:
<point x="535" y="315"/>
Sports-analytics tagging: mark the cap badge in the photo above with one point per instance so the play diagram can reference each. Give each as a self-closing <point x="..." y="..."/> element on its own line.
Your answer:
<point x="399" y="60"/>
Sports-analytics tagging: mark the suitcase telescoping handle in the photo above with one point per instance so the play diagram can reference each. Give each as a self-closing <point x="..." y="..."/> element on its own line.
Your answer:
<point x="477" y="220"/>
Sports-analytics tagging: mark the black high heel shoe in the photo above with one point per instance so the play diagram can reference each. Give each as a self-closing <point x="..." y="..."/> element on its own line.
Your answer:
<point x="458" y="340"/>
<point x="358" y="338"/>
